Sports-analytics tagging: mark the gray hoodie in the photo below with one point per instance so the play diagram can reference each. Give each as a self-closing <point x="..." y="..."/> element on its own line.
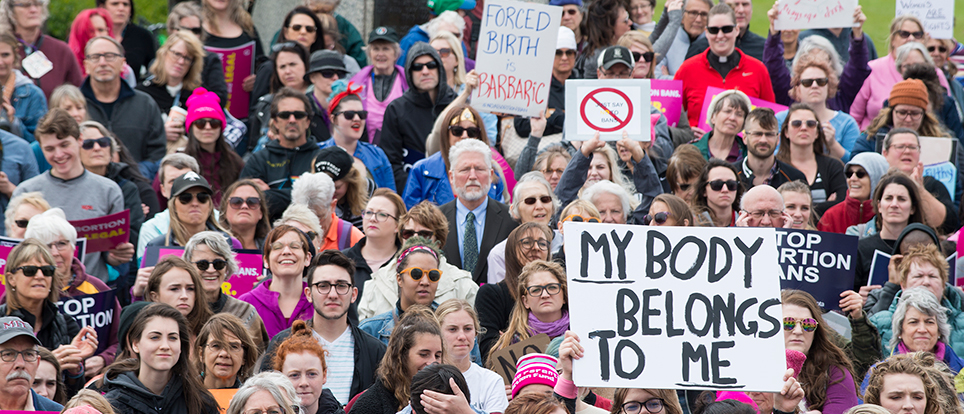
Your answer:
<point x="875" y="165"/>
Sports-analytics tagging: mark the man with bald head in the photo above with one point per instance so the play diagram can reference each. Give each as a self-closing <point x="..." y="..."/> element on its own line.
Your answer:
<point x="762" y="206"/>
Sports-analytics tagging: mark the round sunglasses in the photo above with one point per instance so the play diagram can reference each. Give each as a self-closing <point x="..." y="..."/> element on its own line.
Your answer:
<point x="416" y="273"/>
<point x="203" y="265"/>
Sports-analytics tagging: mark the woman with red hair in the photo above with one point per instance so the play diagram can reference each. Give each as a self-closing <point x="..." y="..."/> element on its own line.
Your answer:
<point x="87" y="25"/>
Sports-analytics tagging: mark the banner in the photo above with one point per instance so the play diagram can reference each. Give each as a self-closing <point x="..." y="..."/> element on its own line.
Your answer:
<point x="667" y="96"/>
<point x="675" y="307"/>
<point x="937" y="15"/>
<point x="95" y="310"/>
<point x="712" y="91"/>
<point x="250" y="267"/>
<point x="104" y="233"/>
<point x="503" y="361"/>
<point x="8" y="243"/>
<point x="815" y="14"/>
<point x="238" y="63"/>
<point x="821" y="264"/>
<point x="608" y="107"/>
<point x="946" y="173"/>
<point x="517" y="46"/>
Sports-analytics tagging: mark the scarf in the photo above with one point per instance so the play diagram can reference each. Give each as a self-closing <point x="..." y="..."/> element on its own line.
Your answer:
<point x="939" y="349"/>
<point x="553" y="329"/>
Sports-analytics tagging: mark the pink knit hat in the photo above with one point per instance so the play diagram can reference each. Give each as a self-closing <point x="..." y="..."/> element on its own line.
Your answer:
<point x="534" y="369"/>
<point x="203" y="104"/>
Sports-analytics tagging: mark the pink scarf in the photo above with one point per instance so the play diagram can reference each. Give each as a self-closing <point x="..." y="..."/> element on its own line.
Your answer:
<point x="553" y="329"/>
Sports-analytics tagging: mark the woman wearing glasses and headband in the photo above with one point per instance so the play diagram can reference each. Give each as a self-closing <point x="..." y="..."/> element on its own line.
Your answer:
<point x="244" y="213"/>
<point x="532" y="201"/>
<point x="212" y="256"/>
<point x="176" y="282"/>
<point x="540" y="306"/>
<point x="205" y="123"/>
<point x="281" y="300"/>
<point x="348" y="120"/>
<point x="802" y="143"/>
<point x="717" y="195"/>
<point x="177" y="68"/>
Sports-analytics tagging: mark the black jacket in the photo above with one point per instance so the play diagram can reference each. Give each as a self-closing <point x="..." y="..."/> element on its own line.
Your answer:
<point x="494" y="304"/>
<point x="409" y="118"/>
<point x="57" y="329"/>
<point x="376" y="400"/>
<point x="784" y="174"/>
<point x="162" y="98"/>
<point x="135" y="119"/>
<point x="117" y="171"/>
<point x="277" y="166"/>
<point x="128" y="395"/>
<point x="132" y="196"/>
<point x="140" y="48"/>
<point x="327" y="404"/>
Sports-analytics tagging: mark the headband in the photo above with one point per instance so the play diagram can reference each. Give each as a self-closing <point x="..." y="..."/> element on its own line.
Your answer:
<point x="351" y="89"/>
<point x="466" y="115"/>
<point x="413" y="249"/>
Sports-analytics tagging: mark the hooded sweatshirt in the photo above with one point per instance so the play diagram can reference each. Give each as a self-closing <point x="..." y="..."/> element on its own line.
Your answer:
<point x="853" y="211"/>
<point x="127" y="394"/>
<point x="279" y="167"/>
<point x="409" y="119"/>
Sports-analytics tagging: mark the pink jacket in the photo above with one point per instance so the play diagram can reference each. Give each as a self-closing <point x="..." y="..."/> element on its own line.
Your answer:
<point x="876" y="89"/>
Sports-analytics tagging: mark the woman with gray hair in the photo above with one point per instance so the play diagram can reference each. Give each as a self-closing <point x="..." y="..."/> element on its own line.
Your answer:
<point x="316" y="191"/>
<point x="19" y="211"/>
<point x="211" y="254"/>
<point x="268" y="391"/>
<point x="613" y="202"/>
<point x="532" y="200"/>
<point x="28" y="29"/>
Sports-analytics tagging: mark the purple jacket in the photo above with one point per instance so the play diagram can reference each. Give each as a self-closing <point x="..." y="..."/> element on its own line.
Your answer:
<point x="266" y="302"/>
<point x="852" y="78"/>
<point x="841" y="392"/>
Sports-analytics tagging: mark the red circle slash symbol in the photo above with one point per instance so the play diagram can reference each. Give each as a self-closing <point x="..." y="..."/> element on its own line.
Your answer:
<point x="621" y="123"/>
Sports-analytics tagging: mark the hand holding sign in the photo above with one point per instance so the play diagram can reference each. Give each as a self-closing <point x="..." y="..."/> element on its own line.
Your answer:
<point x="814" y="14"/>
<point x="790" y="395"/>
<point x="140" y="284"/>
<point x="852" y="304"/>
<point x="569" y="350"/>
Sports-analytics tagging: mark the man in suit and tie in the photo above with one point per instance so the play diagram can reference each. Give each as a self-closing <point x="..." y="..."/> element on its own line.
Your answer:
<point x="476" y="222"/>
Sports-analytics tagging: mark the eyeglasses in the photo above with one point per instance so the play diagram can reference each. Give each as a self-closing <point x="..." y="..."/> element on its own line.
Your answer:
<point x="289" y="114"/>
<point x="652" y="405"/>
<point x="27" y="4"/>
<point x="180" y="57"/>
<point x="10" y="355"/>
<point x="695" y="14"/>
<point x="350" y="115"/>
<point x="808" y="324"/>
<point x="859" y="173"/>
<point x="233" y="347"/>
<point x="472" y="132"/>
<point x="330" y="73"/>
<point x="532" y="200"/>
<point x="942" y="49"/>
<point x="643" y="57"/>
<point x="416" y="273"/>
<point x="905" y="34"/>
<point x="58" y="245"/>
<point x="431" y="65"/>
<point x="341" y="288"/>
<point x="758" y="134"/>
<point x="908" y="147"/>
<point x="31" y="271"/>
<point x="716" y="30"/>
<point x="529" y="243"/>
<point x="553" y="289"/>
<point x="550" y="172"/>
<point x="271" y="410"/>
<point x="659" y="218"/>
<point x="568" y="52"/>
<point x="758" y="214"/>
<point x="203" y="265"/>
<point x="571" y="12"/>
<point x="103" y="142"/>
<point x="444" y="52"/>
<point x="198" y="31"/>
<point x="252" y="202"/>
<point x="903" y="113"/>
<point x="377" y="215"/>
<point x="109" y="57"/>
<point x="298" y="28"/>
<point x="205" y="123"/>
<point x="579" y="219"/>
<point x="185" y="198"/>
<point x="809" y="82"/>
<point x="799" y="123"/>
<point x="717" y="185"/>
<point x="21" y="223"/>
<point x="295" y="245"/>
<point x="409" y="233"/>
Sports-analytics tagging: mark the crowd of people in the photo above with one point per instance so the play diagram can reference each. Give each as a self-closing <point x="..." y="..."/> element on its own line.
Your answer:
<point x="405" y="236"/>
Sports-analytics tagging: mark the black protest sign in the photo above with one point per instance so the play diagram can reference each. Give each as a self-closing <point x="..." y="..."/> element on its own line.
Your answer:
<point x="819" y="263"/>
<point x="95" y="310"/>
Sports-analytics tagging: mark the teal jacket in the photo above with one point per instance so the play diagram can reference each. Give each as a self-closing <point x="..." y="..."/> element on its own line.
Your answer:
<point x="953" y="301"/>
<point x="703" y="144"/>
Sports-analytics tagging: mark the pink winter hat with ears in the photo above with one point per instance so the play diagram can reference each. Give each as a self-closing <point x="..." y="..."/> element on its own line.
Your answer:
<point x="203" y="104"/>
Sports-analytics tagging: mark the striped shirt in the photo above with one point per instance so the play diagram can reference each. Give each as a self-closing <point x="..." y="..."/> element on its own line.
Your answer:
<point x="341" y="364"/>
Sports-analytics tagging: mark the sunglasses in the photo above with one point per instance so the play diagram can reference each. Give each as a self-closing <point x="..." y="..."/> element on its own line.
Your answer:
<point x="444" y="52"/>
<point x="205" y="123"/>
<point x="31" y="271"/>
<point x="330" y="73"/>
<point x="298" y="27"/>
<point x="808" y="324"/>
<point x="859" y="173"/>
<point x="350" y="115"/>
<point x="809" y="82"/>
<point x="568" y="52"/>
<point x="717" y="185"/>
<point x="716" y="30"/>
<point x="532" y="200"/>
<point x="685" y="187"/>
<point x="196" y="30"/>
<point x="408" y="233"/>
<point x="579" y="219"/>
<point x="472" y="132"/>
<point x="416" y="273"/>
<point x="21" y="223"/>
<point x="659" y="218"/>
<point x="905" y="34"/>
<point x="288" y="114"/>
<point x="219" y="264"/>
<point x="942" y="49"/>
<point x="571" y="12"/>
<point x="799" y="123"/>
<point x="643" y="57"/>
<point x="185" y="198"/>
<point x="103" y="142"/>
<point x="281" y="46"/>
<point x="417" y="67"/>
<point x="252" y="202"/>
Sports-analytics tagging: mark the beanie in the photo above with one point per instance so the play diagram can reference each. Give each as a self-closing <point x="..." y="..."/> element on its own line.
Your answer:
<point x="909" y="92"/>
<point x="534" y="369"/>
<point x="203" y="104"/>
<point x="565" y="2"/>
<point x="566" y="39"/>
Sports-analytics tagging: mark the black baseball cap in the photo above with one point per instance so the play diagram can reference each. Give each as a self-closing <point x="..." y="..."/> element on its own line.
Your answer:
<point x="383" y="33"/>
<point x="615" y="54"/>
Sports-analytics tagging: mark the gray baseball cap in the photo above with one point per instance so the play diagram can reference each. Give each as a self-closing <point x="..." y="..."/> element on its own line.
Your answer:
<point x="12" y="327"/>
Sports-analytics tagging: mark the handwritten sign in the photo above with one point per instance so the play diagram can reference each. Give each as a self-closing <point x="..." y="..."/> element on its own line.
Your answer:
<point x="503" y="361"/>
<point x="95" y="310"/>
<point x="517" y="46"/>
<point x="944" y="172"/>
<point x="675" y="307"/>
<point x="815" y="14"/>
<point x="250" y="267"/>
<point x="238" y="63"/>
<point x="609" y="107"/>
<point x="937" y="15"/>
<point x="821" y="264"/>
<point x="104" y="233"/>
<point x="667" y="96"/>
<point x="712" y="91"/>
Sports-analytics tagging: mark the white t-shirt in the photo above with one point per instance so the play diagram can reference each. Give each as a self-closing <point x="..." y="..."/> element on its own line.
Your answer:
<point x="341" y="364"/>
<point x="487" y="389"/>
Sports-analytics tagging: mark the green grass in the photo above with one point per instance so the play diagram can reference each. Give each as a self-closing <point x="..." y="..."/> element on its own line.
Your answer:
<point x="62" y="13"/>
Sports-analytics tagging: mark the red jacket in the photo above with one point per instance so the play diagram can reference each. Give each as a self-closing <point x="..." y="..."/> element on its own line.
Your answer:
<point x="749" y="76"/>
<point x="849" y="213"/>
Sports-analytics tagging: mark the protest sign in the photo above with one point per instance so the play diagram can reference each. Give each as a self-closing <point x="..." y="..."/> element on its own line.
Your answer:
<point x="517" y="46"/>
<point x="667" y="96"/>
<point x="238" y="63"/>
<point x="153" y="254"/>
<point x="8" y="243"/>
<point x="504" y="360"/>
<point x="815" y="14"/>
<point x="104" y="233"/>
<point x="712" y="91"/>
<point x="250" y="267"/>
<point x="937" y="15"/>
<point x="95" y="310"/>
<point x="609" y="107"/>
<point x="878" y="269"/>
<point x="946" y="173"/>
<point x="821" y="264"/>
<point x="675" y="307"/>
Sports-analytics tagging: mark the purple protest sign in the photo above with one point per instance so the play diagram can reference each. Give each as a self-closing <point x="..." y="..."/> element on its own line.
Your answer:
<point x="104" y="233"/>
<point x="95" y="310"/>
<point x="819" y="263"/>
<point x="250" y="266"/>
<point x="8" y="243"/>
<point x="712" y="91"/>
<point x="667" y="96"/>
<point x="238" y="63"/>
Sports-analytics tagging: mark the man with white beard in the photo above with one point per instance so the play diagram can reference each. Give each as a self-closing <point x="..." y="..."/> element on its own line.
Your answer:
<point x="476" y="222"/>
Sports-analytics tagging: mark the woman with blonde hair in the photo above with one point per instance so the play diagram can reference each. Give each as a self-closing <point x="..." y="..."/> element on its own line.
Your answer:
<point x="453" y="62"/>
<point x="798" y="202"/>
<point x="641" y="47"/>
<point x="668" y="210"/>
<point x="177" y="67"/>
<point x="460" y="328"/>
<point x="541" y="304"/>
<point x="19" y="211"/>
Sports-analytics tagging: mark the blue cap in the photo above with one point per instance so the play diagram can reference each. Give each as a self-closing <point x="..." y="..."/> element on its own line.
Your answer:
<point x="565" y="2"/>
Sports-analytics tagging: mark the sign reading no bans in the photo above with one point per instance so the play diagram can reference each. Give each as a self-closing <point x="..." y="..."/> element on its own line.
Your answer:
<point x="609" y="107"/>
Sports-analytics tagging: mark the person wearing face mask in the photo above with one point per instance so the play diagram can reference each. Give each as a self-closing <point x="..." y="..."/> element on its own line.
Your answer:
<point x="863" y="172"/>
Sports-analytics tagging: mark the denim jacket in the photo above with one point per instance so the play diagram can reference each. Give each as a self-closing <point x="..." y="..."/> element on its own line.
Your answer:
<point x="30" y="105"/>
<point x="429" y="180"/>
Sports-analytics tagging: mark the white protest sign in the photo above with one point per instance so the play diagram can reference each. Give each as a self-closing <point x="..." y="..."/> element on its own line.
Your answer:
<point x="517" y="45"/>
<point x="815" y="14"/>
<point x="937" y="15"/>
<point x="610" y="107"/>
<point x="675" y="307"/>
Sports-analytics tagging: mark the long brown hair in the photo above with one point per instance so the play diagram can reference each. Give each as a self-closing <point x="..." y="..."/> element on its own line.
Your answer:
<point x="513" y="266"/>
<point x="518" y="329"/>
<point x="236" y="13"/>
<point x="393" y="371"/>
<point x="201" y="311"/>
<point x="818" y="143"/>
<point x="930" y="126"/>
<point x="229" y="166"/>
<point x="264" y="225"/>
<point x="443" y="132"/>
<point x="699" y="204"/>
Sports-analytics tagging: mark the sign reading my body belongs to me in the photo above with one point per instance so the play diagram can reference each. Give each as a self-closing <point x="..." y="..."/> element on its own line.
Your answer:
<point x="683" y="308"/>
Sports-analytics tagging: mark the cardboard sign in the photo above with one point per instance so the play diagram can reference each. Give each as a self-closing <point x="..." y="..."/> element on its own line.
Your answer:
<point x="503" y="361"/>
<point x="815" y="14"/>
<point x="517" y="46"/>
<point x="821" y="264"/>
<point x="104" y="233"/>
<point x="667" y="96"/>
<point x="95" y="310"/>
<point x="937" y="15"/>
<point x="609" y="107"/>
<point x="675" y="307"/>
<point x="712" y="91"/>
<point x="944" y="172"/>
<point x="250" y="267"/>
<point x="238" y="63"/>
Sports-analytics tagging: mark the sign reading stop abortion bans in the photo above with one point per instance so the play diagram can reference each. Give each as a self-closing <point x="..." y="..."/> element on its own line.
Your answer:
<point x="815" y="14"/>
<point x="675" y="308"/>
<point x="821" y="264"/>
<point x="104" y="233"/>
<point x="95" y="310"/>
<point x="609" y="107"/>
<point x="517" y="45"/>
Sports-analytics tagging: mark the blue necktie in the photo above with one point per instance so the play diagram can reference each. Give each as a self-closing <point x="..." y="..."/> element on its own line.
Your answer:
<point x="471" y="245"/>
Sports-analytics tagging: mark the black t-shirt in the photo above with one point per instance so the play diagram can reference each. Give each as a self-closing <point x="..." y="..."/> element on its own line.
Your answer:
<point x="140" y="48"/>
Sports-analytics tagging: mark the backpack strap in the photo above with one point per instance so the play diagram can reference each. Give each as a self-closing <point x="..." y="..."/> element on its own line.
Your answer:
<point x="344" y="234"/>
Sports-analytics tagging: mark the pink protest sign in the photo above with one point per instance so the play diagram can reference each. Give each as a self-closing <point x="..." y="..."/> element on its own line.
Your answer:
<point x="250" y="266"/>
<point x="712" y="91"/>
<point x="238" y="63"/>
<point x="667" y="96"/>
<point x="104" y="233"/>
<point x="815" y="14"/>
<point x="8" y="243"/>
